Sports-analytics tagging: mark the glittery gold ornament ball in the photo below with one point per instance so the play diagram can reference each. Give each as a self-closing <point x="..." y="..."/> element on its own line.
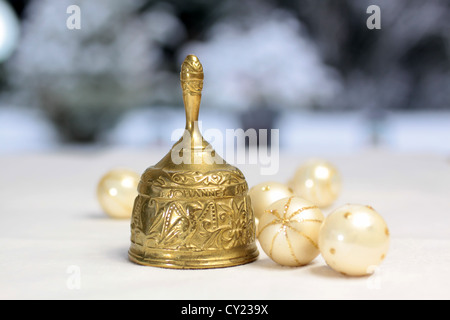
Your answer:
<point x="354" y="239"/>
<point x="116" y="192"/>
<point x="264" y="194"/>
<point x="288" y="231"/>
<point x="317" y="181"/>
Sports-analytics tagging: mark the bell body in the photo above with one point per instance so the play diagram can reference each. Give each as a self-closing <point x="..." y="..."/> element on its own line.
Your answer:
<point x="193" y="209"/>
<point x="192" y="219"/>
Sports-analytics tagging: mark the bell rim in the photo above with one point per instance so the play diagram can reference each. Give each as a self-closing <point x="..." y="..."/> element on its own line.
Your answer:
<point x="170" y="259"/>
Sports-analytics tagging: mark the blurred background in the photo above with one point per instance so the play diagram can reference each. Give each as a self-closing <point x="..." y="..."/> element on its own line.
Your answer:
<point x="312" y="69"/>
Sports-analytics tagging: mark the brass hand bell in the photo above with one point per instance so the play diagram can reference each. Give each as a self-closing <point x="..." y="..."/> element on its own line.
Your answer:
<point x="192" y="210"/>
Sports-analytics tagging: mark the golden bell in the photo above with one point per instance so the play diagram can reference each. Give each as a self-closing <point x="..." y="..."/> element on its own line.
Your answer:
<point x="192" y="210"/>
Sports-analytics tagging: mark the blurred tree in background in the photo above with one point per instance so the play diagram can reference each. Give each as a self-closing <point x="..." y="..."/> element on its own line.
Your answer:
<point x="308" y="54"/>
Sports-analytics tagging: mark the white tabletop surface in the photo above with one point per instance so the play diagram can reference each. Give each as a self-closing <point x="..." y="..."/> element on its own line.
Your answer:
<point x="56" y="243"/>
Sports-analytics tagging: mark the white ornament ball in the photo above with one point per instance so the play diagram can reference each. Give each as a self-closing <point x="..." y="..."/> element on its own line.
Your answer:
<point x="354" y="240"/>
<point x="116" y="192"/>
<point x="317" y="181"/>
<point x="264" y="194"/>
<point x="288" y="231"/>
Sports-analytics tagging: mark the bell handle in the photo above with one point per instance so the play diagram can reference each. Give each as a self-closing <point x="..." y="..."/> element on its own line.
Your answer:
<point x="191" y="78"/>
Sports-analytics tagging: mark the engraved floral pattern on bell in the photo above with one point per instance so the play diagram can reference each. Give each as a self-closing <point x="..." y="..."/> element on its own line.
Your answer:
<point x="196" y="225"/>
<point x="224" y="220"/>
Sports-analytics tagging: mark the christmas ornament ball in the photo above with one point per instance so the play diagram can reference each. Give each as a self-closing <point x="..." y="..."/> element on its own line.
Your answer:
<point x="288" y="231"/>
<point x="264" y="194"/>
<point x="116" y="192"/>
<point x="318" y="181"/>
<point x="354" y="240"/>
